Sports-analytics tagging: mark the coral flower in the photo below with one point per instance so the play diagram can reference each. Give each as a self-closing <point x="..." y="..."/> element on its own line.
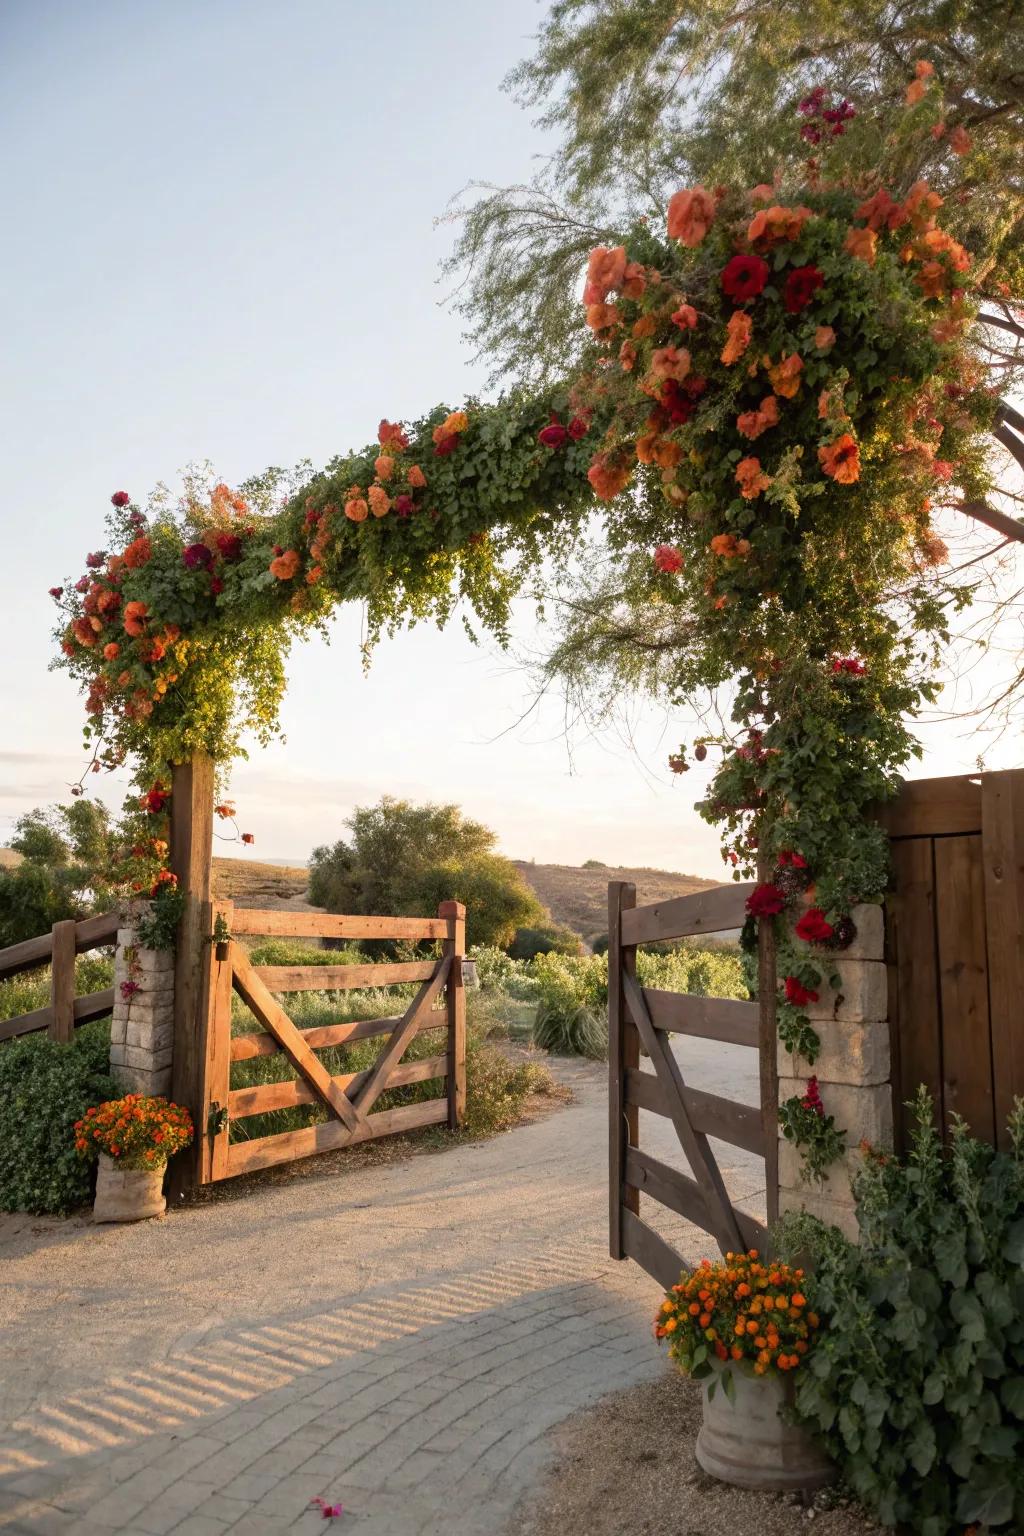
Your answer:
<point x="384" y="466"/>
<point x="777" y="223"/>
<point x="785" y="375"/>
<point x="608" y="475"/>
<point x="634" y="281"/>
<point x="751" y="478"/>
<point x="960" y="140"/>
<point x="668" y="558"/>
<point x="135" y="615"/>
<point x="739" y="330"/>
<point x="84" y="632"/>
<point x="744" y="277"/>
<point x="685" y="317"/>
<point x="627" y="357"/>
<point x="752" y="423"/>
<point x="284" y="566"/>
<point x="670" y="363"/>
<point x="356" y="509"/>
<point x="728" y="547"/>
<point x="416" y="477"/>
<point x="606" y="270"/>
<point x="645" y="326"/>
<point x="690" y="216"/>
<point x="390" y="435"/>
<point x="137" y="553"/>
<point x="932" y="280"/>
<point x="602" y="317"/>
<point x="841" y="459"/>
<point x="824" y="338"/>
<point x="861" y="244"/>
<point x="880" y="211"/>
<point x="380" y="501"/>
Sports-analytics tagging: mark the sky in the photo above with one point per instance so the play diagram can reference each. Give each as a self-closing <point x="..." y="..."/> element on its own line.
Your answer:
<point x="222" y="245"/>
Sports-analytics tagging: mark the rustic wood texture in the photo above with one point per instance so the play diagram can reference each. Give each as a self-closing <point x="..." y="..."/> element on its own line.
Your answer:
<point x="910" y="917"/>
<point x="329" y="925"/>
<point x="963" y="984"/>
<point x="30" y="954"/>
<point x="243" y="1047"/>
<point x="933" y="808"/>
<point x="714" y="911"/>
<point x="739" y="1125"/>
<point x="707" y="1018"/>
<point x="623" y="1055"/>
<point x="1003" y="863"/>
<point x="651" y="1252"/>
<point x="243" y="1102"/>
<point x="191" y="855"/>
<point x="247" y="1156"/>
<point x="453" y="913"/>
<point x="768" y="1057"/>
<point x="62" y="982"/>
<point x="679" y="1193"/>
<point x="217" y="986"/>
<point x="377" y="1080"/>
<point x="94" y="1005"/>
<point x="341" y="978"/>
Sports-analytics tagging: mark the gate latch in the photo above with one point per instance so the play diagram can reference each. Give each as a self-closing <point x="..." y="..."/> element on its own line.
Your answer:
<point x="217" y="1121"/>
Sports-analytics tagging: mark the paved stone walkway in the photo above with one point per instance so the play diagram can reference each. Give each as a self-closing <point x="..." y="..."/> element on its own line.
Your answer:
<point x="400" y="1339"/>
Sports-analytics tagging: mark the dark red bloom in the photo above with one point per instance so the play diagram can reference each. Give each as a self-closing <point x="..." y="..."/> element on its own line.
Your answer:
<point x="790" y="860"/>
<point x="155" y="799"/>
<point x="197" y="557"/>
<point x="404" y="505"/>
<point x="56" y="591"/>
<point x="798" y="994"/>
<point x="82" y="584"/>
<point x="813" y="927"/>
<point x="812" y="104"/>
<point x="744" y="277"/>
<point x="812" y="1097"/>
<point x="800" y="287"/>
<point x="578" y="428"/>
<point x="849" y="664"/>
<point x="676" y="402"/>
<point x="216" y="586"/>
<point x="765" y="900"/>
<point x="230" y="546"/>
<point x="446" y="445"/>
<point x="554" y="435"/>
<point x="667" y="558"/>
<point x="810" y="133"/>
<point x="120" y="498"/>
<point x="95" y="560"/>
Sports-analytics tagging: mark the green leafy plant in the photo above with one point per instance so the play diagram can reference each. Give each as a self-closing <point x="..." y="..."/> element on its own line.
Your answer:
<point x="917" y="1383"/>
<point x="572" y="1006"/>
<point x="158" y="929"/>
<point x="803" y="1121"/>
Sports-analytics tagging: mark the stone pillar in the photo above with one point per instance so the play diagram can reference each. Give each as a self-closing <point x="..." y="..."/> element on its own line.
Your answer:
<point x="142" y="1027"/>
<point x="853" y="1072"/>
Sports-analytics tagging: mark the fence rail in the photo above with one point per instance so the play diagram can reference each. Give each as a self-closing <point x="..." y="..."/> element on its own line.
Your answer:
<point x="58" y="949"/>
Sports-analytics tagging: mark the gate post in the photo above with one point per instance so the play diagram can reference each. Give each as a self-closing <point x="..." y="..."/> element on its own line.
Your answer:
<point x="192" y="862"/>
<point x="767" y="1039"/>
<point x="623" y="1052"/>
<point x="455" y="948"/>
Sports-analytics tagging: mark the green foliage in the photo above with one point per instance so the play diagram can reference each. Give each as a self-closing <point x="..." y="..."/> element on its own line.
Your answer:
<point x="915" y="1384"/>
<point x="572" y="1008"/>
<point x="815" y="1134"/>
<point x="68" y="870"/>
<point x="495" y="969"/>
<point x="26" y="993"/>
<point x="44" y="1088"/>
<point x="550" y="938"/>
<point x="158" y="929"/>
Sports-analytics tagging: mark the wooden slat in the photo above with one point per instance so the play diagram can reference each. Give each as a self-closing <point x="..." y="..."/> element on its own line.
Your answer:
<point x="26" y="1023"/>
<point x="273" y="1017"/>
<point x="1003" y="857"/>
<point x="708" y="1018"/>
<point x="768" y="1056"/>
<point x="453" y="913"/>
<point x="738" y="1124"/>
<point x="62" y="982"/>
<point x="94" y="1005"/>
<point x="340" y="978"/>
<point x="329" y="925"/>
<point x="910" y="912"/>
<point x="963" y="984"/>
<point x="264" y="1097"/>
<point x="650" y="1250"/>
<point x="247" y="1156"/>
<point x="623" y="1056"/>
<point x="684" y="1195"/>
<point x="370" y="1091"/>
<point x="933" y="808"/>
<point x="218" y="976"/>
<point x="243" y="1047"/>
<point x="712" y="911"/>
<point x="30" y="954"/>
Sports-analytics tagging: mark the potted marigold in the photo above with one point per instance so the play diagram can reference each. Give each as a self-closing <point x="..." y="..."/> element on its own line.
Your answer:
<point x="744" y="1329"/>
<point x="132" y="1138"/>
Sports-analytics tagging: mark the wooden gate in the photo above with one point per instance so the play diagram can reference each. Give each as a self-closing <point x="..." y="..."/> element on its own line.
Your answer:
<point x="348" y="1098"/>
<point x="644" y="1018"/>
<point x="955" y="947"/>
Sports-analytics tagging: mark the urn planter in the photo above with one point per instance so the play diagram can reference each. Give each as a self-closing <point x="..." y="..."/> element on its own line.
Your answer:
<point x="128" y="1194"/>
<point x="745" y="1441"/>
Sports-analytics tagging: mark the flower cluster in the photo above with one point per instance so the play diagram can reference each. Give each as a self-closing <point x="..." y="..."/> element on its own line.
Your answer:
<point x="803" y="1121"/>
<point x="741" y="1311"/>
<point x="136" y="1131"/>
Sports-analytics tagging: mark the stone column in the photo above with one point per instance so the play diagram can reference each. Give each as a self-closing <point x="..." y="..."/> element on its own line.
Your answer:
<point x="142" y="1027"/>
<point x="852" y="1071"/>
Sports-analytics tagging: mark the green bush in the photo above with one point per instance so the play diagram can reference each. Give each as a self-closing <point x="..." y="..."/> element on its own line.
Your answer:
<point x="572" y="1009"/>
<point x="551" y="938"/>
<point x="44" y="1088"/>
<point x="917" y="1383"/>
<point x="495" y="969"/>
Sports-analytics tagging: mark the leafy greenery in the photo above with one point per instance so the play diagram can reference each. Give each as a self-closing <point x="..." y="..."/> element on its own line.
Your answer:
<point x="158" y="928"/>
<point x="556" y="938"/>
<point x="67" y="869"/>
<point x="24" y="994"/>
<point x="917" y="1383"/>
<point x="45" y="1087"/>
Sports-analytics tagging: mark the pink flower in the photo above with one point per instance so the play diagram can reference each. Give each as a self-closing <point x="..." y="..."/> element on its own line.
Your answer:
<point x="668" y="558"/>
<point x="120" y="499"/>
<point x="56" y="592"/>
<point x="554" y="435"/>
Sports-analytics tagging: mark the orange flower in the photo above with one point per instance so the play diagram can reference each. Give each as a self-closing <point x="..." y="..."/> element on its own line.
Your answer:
<point x="752" y="423"/>
<point x="609" y="475"/>
<point x="627" y="356"/>
<point x="602" y="317"/>
<point x="690" y="216"/>
<point x="670" y="363"/>
<point x="960" y="140"/>
<point x="416" y="477"/>
<point x="751" y="478"/>
<point x="380" y="501"/>
<point x="667" y="453"/>
<point x="880" y="211"/>
<point x="454" y="423"/>
<point x="740" y="329"/>
<point x="645" y="447"/>
<point x="923" y="70"/>
<point x="384" y="466"/>
<point x="920" y="205"/>
<point x="915" y="92"/>
<point x="824" y="338"/>
<point x="605" y="271"/>
<point x="135" y="615"/>
<point x="112" y="651"/>
<point x="861" y="244"/>
<point x="645" y="326"/>
<point x="356" y="509"/>
<point x="728" y="547"/>
<point x="785" y="376"/>
<point x="841" y="459"/>
<point x="390" y="435"/>
<point x="777" y="223"/>
<point x="137" y="553"/>
<point x="285" y="566"/>
<point x="936" y="242"/>
<point x="634" y="281"/>
<point x="932" y="280"/>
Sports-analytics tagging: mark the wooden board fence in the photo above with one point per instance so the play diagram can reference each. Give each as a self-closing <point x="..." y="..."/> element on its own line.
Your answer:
<point x="58" y="949"/>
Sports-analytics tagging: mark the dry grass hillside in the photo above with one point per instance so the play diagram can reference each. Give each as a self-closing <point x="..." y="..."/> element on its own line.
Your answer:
<point x="576" y="897"/>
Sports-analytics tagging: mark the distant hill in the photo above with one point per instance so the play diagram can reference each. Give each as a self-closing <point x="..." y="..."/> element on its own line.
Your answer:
<point x="574" y="896"/>
<point x="9" y="859"/>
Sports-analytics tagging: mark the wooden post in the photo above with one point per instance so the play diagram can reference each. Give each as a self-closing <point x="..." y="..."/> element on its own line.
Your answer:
<point x="768" y="1049"/>
<point x="212" y="1124"/>
<point x="62" y="983"/>
<point x="1002" y="841"/>
<point x="623" y="1053"/>
<point x="455" y="946"/>
<point x="192" y="862"/>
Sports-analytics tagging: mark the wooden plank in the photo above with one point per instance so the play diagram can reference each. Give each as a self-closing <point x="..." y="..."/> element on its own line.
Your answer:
<point x="62" y="982"/>
<point x="623" y="1056"/>
<point x="944" y="807"/>
<point x="273" y="1017"/>
<point x="247" y="1156"/>
<point x="218" y="976"/>
<point x="684" y="1195"/>
<point x="911" y="918"/>
<point x="94" y="1005"/>
<point x="330" y="925"/>
<point x="340" y="978"/>
<point x="191" y="859"/>
<point x="454" y="915"/>
<point x="243" y="1047"/>
<point x="30" y="954"/>
<point x="706" y="1018"/>
<point x="263" y="1097"/>
<point x="26" y="1023"/>
<point x="650" y="1250"/>
<point x="963" y="984"/>
<point x="738" y="1124"/>
<point x="375" y="1084"/>
<point x="712" y="911"/>
<point x="1003" y="858"/>
<point x="693" y="1140"/>
<point x="768" y="1055"/>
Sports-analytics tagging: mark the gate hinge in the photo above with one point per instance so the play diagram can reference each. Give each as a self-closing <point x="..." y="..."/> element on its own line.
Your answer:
<point x="217" y="1120"/>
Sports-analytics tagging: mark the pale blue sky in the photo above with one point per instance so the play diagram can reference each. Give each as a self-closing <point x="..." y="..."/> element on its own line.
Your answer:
<point x="220" y="244"/>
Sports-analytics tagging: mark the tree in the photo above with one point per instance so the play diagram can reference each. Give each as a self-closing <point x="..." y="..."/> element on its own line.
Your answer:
<point x="69" y="858"/>
<point x="403" y="858"/>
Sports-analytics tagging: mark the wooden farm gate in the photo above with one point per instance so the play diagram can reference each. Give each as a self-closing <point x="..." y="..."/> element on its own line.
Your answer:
<point x="348" y="1098"/>
<point x="642" y="1018"/>
<point x="58" y="949"/>
<point x="955" y="947"/>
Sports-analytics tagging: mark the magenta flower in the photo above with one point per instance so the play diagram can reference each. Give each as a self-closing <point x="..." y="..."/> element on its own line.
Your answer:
<point x="197" y="557"/>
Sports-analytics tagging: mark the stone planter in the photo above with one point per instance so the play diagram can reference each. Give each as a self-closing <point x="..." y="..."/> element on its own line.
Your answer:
<point x="128" y="1194"/>
<point x="746" y="1442"/>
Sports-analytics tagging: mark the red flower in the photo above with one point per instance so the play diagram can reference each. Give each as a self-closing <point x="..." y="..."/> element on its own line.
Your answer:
<point x="216" y="586"/>
<point x="813" y="928"/>
<point x="800" y="287"/>
<point x="197" y="557"/>
<point x="247" y="837"/>
<point x="578" y="428"/>
<point x="553" y="435"/>
<point x="677" y="401"/>
<point x="668" y="558"/>
<point x="404" y="505"/>
<point x="812" y="1097"/>
<point x="765" y="900"/>
<point x="798" y="994"/>
<point x="56" y="592"/>
<point x="744" y="277"/>
<point x="790" y="860"/>
<point x="850" y="664"/>
<point x="230" y="546"/>
<point x="155" y="799"/>
<point x="120" y="498"/>
<point x="95" y="560"/>
<point x="446" y="445"/>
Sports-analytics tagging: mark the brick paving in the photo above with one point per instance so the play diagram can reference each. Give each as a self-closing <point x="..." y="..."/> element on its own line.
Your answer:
<point x="398" y="1339"/>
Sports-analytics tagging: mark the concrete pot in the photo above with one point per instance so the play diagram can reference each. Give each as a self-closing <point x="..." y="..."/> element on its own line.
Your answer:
<point x="746" y="1442"/>
<point x="128" y="1194"/>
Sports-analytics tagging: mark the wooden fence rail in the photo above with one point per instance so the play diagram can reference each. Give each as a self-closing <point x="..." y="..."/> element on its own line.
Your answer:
<point x="58" y="949"/>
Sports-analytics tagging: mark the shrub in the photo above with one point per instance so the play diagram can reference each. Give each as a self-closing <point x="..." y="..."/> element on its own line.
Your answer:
<point x="44" y="1088"/>
<point x="552" y="938"/>
<point x="572" y="1010"/>
<point x="495" y="969"/>
<point x="917" y="1383"/>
